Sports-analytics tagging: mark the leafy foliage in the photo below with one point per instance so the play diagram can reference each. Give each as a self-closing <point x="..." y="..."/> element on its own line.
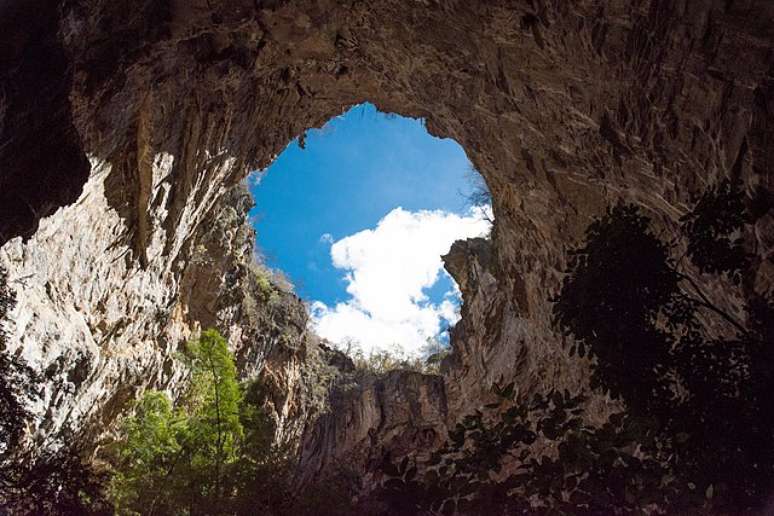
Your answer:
<point x="698" y="432"/>
<point x="620" y="282"/>
<point x="149" y="457"/>
<point x="728" y="416"/>
<point x="713" y="230"/>
<point x="171" y="459"/>
<point x="213" y="454"/>
<point x="54" y="482"/>
<point x="261" y="475"/>
<point x="214" y="428"/>
<point x="266" y="289"/>
<point x="593" y="470"/>
<point x="639" y="316"/>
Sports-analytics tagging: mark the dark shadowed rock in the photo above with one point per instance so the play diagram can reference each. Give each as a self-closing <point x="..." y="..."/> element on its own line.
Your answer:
<point x="564" y="107"/>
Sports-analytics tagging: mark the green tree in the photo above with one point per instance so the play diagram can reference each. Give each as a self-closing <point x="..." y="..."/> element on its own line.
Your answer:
<point x="214" y="429"/>
<point x="150" y="456"/>
<point x="260" y="477"/>
<point x="213" y="454"/>
<point x="172" y="461"/>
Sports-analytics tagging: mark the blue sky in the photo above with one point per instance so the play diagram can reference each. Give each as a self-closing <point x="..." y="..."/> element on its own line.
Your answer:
<point x="339" y="196"/>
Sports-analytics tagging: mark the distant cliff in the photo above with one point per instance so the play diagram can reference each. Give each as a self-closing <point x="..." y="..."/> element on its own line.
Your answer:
<point x="127" y="126"/>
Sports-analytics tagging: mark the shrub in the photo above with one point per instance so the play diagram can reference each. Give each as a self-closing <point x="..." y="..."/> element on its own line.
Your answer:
<point x="698" y="432"/>
<point x="378" y="362"/>
<point x="214" y="453"/>
<point x="265" y="287"/>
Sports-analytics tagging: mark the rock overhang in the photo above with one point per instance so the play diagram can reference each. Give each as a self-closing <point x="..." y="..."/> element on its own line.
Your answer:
<point x="563" y="107"/>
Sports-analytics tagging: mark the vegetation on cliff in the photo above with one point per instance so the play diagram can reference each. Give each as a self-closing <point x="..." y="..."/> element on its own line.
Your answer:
<point x="181" y="459"/>
<point x="379" y="362"/>
<point x="696" y="434"/>
<point x="214" y="452"/>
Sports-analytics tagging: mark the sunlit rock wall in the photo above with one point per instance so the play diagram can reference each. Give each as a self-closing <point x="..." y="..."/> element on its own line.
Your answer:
<point x="100" y="327"/>
<point x="564" y="107"/>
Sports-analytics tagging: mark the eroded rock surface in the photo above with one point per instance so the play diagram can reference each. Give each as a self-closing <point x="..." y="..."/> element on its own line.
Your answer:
<point x="370" y="418"/>
<point x="564" y="107"/>
<point x="100" y="328"/>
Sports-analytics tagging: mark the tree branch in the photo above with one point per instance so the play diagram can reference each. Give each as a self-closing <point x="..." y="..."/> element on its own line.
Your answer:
<point x="705" y="302"/>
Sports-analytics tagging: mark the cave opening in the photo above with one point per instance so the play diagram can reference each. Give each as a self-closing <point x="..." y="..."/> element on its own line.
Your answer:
<point x="139" y="119"/>
<point x="356" y="215"/>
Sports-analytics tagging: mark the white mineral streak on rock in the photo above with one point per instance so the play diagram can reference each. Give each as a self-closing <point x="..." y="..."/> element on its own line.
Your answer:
<point x="85" y="312"/>
<point x="595" y="102"/>
<point x="89" y="317"/>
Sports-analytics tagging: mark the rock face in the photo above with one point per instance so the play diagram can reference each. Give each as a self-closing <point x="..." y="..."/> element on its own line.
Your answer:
<point x="369" y="417"/>
<point x="100" y="328"/>
<point x="564" y="107"/>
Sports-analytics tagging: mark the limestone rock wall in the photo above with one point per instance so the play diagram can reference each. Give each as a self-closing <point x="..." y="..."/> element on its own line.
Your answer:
<point x="97" y="327"/>
<point x="100" y="327"/>
<point x="563" y="106"/>
<point x="369" y="418"/>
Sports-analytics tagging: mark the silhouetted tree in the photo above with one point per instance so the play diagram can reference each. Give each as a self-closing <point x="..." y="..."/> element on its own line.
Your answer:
<point x="698" y="432"/>
<point x="714" y="227"/>
<point x="626" y="301"/>
<point x="618" y="285"/>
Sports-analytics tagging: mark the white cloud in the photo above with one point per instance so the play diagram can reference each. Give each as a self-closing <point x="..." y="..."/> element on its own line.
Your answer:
<point x="326" y="238"/>
<point x="254" y="178"/>
<point x="388" y="269"/>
